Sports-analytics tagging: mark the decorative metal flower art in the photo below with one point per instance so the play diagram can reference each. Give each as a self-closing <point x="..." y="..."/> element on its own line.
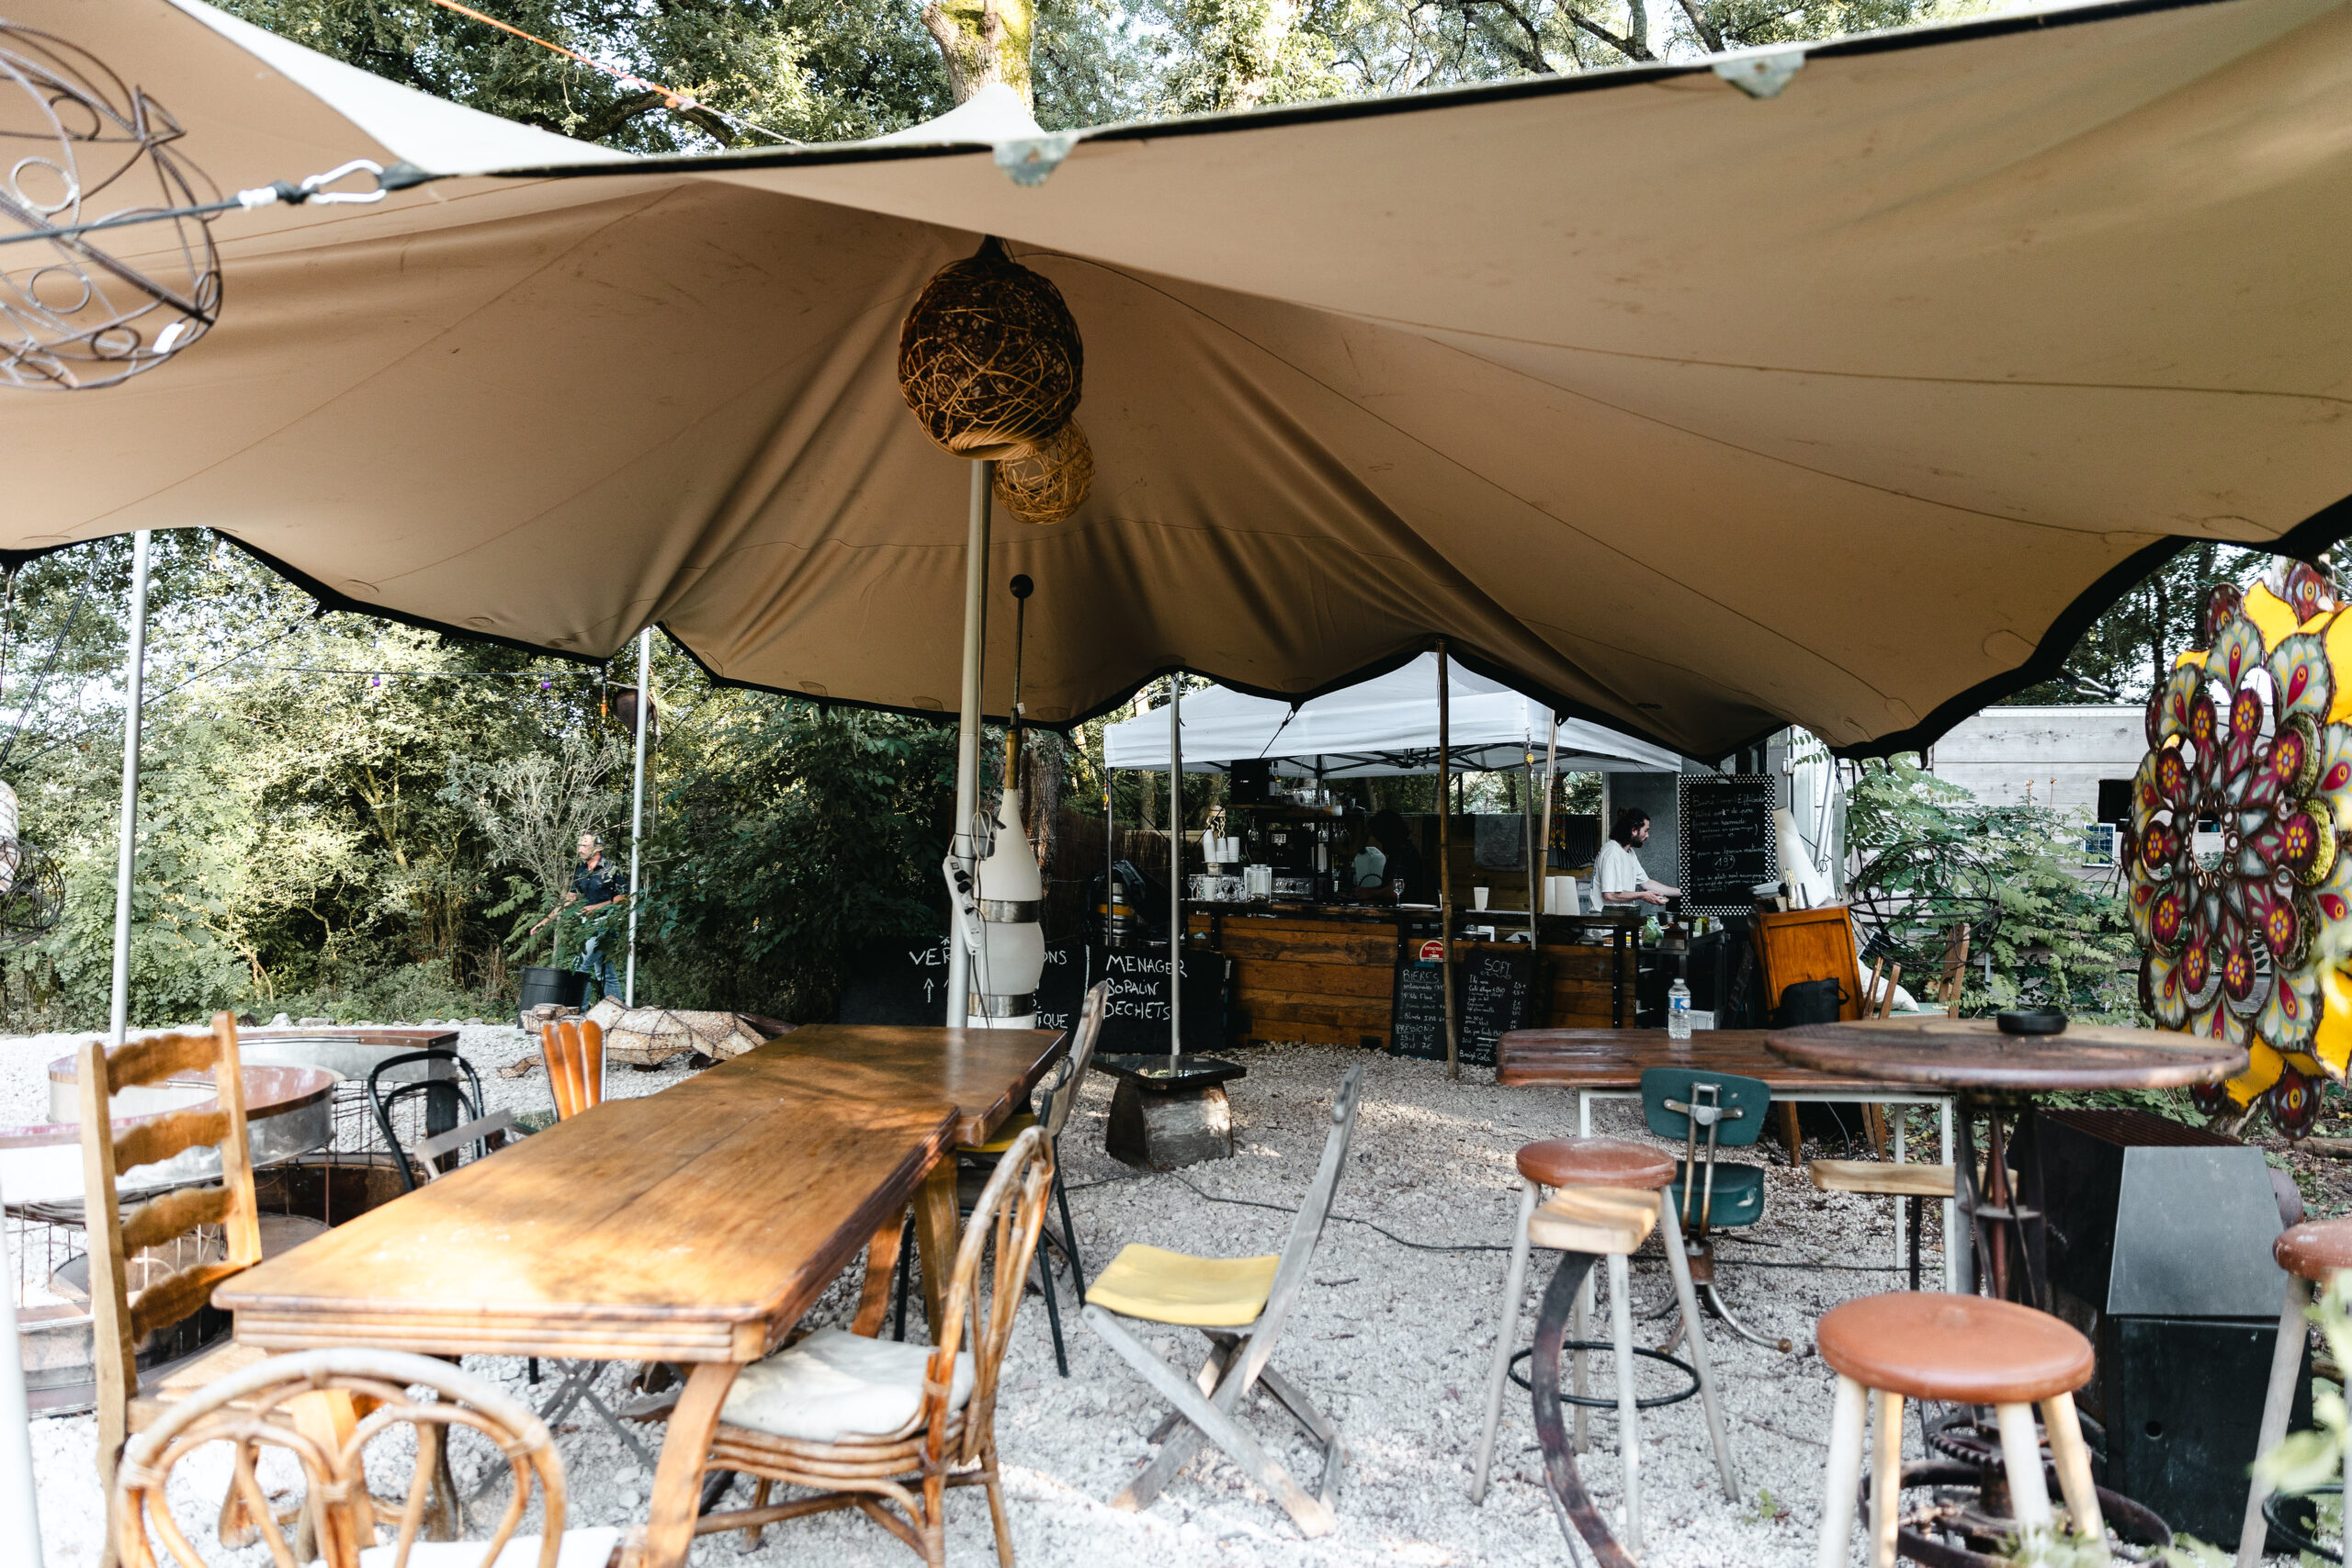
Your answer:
<point x="2240" y="889"/>
<point x="80" y="310"/>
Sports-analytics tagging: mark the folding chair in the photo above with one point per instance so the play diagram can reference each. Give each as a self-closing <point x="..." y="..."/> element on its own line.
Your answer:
<point x="1240" y="1305"/>
<point x="459" y="1114"/>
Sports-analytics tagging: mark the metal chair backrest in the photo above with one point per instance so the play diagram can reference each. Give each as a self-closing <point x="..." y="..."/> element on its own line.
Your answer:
<point x="574" y="1050"/>
<point x="1731" y="1115"/>
<point x="446" y="1134"/>
<point x="1061" y="1098"/>
<point x="981" y="1302"/>
<point x="275" y="1404"/>
<point x="118" y="1323"/>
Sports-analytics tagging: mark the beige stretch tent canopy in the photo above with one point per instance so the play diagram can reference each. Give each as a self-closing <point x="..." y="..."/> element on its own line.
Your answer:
<point x="1691" y="412"/>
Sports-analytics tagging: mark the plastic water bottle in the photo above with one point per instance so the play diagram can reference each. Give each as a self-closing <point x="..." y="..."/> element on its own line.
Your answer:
<point x="1677" y="1009"/>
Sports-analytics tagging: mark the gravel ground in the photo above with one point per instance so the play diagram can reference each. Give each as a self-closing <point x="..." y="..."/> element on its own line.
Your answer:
<point x="1392" y="1339"/>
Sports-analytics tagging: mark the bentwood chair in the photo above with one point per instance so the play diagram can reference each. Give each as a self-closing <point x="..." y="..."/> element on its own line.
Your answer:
<point x="330" y="1412"/>
<point x="1239" y="1306"/>
<point x="443" y="1100"/>
<point x="1706" y="1195"/>
<point x="158" y="1263"/>
<point x="887" y="1427"/>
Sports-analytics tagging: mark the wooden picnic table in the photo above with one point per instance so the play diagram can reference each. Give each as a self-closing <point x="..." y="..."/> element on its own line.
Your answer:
<point x="694" y="1225"/>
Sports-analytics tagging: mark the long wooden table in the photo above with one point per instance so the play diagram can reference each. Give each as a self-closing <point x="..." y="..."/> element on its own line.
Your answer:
<point x="1608" y="1064"/>
<point x="694" y="1225"/>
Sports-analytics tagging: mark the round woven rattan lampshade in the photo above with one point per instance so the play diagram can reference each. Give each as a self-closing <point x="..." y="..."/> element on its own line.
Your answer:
<point x="990" y="359"/>
<point x="1046" y="482"/>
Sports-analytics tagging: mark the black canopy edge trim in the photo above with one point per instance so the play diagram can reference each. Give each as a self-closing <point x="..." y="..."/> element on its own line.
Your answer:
<point x="2305" y="541"/>
<point x="1333" y="110"/>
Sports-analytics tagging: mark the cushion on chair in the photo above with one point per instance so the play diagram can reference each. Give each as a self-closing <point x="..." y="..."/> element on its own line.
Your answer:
<point x="1738" y="1197"/>
<point x="1159" y="1286"/>
<point x="833" y="1385"/>
<point x="2314" y="1249"/>
<point x="1018" y="1123"/>
<point x="1594" y="1162"/>
<point x="581" y="1549"/>
<point x="1961" y="1350"/>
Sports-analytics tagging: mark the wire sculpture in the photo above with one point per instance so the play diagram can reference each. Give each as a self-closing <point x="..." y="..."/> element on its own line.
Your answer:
<point x="74" y="315"/>
<point x="35" y="898"/>
<point x="1910" y="898"/>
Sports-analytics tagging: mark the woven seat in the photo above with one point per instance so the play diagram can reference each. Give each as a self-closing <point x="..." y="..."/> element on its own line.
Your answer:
<point x="1961" y="1349"/>
<point x="1594" y="1162"/>
<point x="2316" y="1249"/>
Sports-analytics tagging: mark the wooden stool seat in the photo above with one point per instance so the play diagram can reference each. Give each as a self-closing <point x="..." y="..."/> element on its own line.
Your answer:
<point x="1959" y="1349"/>
<point x="1881" y="1179"/>
<point x="2316" y="1249"/>
<point x="1594" y="1162"/>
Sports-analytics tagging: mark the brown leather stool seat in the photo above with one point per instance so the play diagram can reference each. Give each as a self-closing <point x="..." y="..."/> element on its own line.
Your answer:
<point x="1960" y="1349"/>
<point x="1596" y="1162"/>
<point x="2313" y="1250"/>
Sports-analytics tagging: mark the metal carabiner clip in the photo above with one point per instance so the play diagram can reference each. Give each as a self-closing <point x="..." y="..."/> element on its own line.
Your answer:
<point x="314" y="187"/>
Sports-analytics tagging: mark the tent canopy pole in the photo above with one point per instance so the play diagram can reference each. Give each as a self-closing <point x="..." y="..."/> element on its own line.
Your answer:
<point x="134" y="678"/>
<point x="1445" y="860"/>
<point x="967" y="732"/>
<point x="1543" y="837"/>
<point x="637" y="806"/>
<point x="1175" y="864"/>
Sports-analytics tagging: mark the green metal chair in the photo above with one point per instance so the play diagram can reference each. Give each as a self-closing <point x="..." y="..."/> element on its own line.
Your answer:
<point x="1709" y="1111"/>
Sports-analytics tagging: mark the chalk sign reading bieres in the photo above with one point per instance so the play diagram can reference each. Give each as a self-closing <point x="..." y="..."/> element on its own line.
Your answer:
<point x="1728" y="844"/>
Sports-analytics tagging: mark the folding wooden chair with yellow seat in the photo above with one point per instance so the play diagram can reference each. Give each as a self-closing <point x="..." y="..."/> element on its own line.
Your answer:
<point x="1240" y="1305"/>
<point x="277" y="1405"/>
<point x="1059" y="1089"/>
<point x="217" y="1230"/>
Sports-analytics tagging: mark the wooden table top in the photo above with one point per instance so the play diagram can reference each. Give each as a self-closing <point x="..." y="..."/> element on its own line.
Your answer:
<point x="696" y="1224"/>
<point x="984" y="1073"/>
<point x="1616" y="1058"/>
<point x="1973" y="1054"/>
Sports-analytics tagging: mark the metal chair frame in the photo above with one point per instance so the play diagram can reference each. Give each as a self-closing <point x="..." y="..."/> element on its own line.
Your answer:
<point x="475" y="1128"/>
<point x="1705" y="1107"/>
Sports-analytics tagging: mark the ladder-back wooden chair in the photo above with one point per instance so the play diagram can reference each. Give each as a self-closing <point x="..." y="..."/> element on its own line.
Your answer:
<point x="574" y="1051"/>
<point x="1239" y="1306"/>
<point x="158" y="1264"/>
<point x="327" y="1409"/>
<point x="885" y="1427"/>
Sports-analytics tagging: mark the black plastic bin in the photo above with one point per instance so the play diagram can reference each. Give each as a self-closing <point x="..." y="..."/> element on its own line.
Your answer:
<point x="564" y="988"/>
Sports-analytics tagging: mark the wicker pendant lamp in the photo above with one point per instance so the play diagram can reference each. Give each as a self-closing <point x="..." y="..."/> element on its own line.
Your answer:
<point x="990" y="359"/>
<point x="1046" y="482"/>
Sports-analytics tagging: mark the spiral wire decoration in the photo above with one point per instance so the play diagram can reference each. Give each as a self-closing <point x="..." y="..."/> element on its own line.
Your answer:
<point x="74" y="314"/>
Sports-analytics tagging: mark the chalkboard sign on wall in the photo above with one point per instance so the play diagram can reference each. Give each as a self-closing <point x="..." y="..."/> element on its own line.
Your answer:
<point x="1728" y="844"/>
<point x="1135" y="1012"/>
<point x="1494" y="989"/>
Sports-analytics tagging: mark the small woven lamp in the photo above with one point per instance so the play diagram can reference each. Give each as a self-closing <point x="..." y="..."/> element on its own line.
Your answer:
<point x="990" y="359"/>
<point x="1046" y="482"/>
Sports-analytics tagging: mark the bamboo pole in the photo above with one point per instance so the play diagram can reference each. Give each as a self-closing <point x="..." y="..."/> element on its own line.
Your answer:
<point x="1551" y="771"/>
<point x="1445" y="858"/>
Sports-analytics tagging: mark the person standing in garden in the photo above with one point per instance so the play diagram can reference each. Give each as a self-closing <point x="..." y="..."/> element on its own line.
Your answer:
<point x="600" y="888"/>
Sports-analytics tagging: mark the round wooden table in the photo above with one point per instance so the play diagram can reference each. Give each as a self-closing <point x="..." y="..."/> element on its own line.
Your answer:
<point x="1997" y="1075"/>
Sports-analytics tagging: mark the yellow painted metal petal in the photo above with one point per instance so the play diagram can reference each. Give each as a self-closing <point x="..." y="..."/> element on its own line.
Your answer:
<point x="2333" y="1043"/>
<point x="2271" y="615"/>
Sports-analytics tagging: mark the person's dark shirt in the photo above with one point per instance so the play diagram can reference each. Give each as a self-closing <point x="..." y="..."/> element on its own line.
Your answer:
<point x="600" y="884"/>
<point x="1405" y="860"/>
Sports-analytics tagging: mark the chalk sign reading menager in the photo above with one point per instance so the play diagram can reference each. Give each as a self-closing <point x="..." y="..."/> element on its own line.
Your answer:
<point x="1135" y="1012"/>
<point x="1728" y="844"/>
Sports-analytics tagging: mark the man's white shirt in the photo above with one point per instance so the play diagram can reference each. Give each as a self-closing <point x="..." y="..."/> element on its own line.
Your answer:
<point x="1617" y="869"/>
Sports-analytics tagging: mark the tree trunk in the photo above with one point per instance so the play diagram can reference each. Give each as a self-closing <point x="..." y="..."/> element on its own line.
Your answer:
<point x="983" y="41"/>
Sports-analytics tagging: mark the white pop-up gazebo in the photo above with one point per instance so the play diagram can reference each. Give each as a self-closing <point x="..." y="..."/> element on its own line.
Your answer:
<point x="1385" y="725"/>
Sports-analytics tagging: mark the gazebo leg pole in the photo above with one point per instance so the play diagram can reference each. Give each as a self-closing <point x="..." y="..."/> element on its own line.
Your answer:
<point x="1175" y="864"/>
<point x="1445" y="858"/>
<point x="1543" y="834"/>
<point x="635" y="822"/>
<point x="135" y="683"/>
<point x="967" y="731"/>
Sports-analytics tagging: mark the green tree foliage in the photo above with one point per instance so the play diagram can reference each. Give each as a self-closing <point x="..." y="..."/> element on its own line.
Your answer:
<point x="1925" y="849"/>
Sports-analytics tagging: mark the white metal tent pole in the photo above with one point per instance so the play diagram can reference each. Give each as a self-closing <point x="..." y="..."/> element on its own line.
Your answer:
<point x="967" y="732"/>
<point x="20" y="1517"/>
<point x="637" y="806"/>
<point x="1543" y="837"/>
<point x="135" y="681"/>
<point x="1446" y="860"/>
<point x="1175" y="864"/>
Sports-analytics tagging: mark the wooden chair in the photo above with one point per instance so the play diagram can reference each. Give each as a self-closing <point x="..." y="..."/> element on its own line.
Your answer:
<point x="124" y="1312"/>
<point x="1960" y="1350"/>
<point x="2313" y="1253"/>
<point x="1954" y="978"/>
<point x="278" y="1404"/>
<point x="1241" y="1306"/>
<point x="870" y="1423"/>
<point x="1877" y="1001"/>
<point x="1907" y="1184"/>
<point x="1602" y="1186"/>
<point x="1059" y="1088"/>
<point x="574" y="1050"/>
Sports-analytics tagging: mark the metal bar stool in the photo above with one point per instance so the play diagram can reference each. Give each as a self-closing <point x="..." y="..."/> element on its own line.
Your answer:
<point x="1964" y="1351"/>
<point x="1622" y="1176"/>
<point x="2312" y="1253"/>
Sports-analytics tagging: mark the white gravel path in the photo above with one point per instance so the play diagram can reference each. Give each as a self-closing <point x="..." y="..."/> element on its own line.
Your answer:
<point x="1393" y="1341"/>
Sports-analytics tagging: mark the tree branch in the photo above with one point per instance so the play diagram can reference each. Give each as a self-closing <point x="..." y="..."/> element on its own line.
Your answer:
<point x="1709" y="33"/>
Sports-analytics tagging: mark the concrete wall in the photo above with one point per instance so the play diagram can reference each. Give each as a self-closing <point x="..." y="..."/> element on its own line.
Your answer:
<point x="2060" y="753"/>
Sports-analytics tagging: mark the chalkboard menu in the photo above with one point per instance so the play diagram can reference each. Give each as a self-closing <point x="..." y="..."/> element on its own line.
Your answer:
<point x="1494" y="989"/>
<point x="1135" y="1013"/>
<point x="906" y="984"/>
<point x="1728" y="844"/>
